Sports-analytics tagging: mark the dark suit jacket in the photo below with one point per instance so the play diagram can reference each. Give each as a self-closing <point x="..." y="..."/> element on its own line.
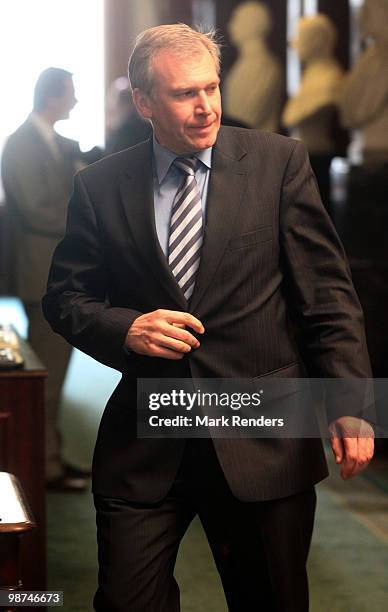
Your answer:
<point x="271" y="263"/>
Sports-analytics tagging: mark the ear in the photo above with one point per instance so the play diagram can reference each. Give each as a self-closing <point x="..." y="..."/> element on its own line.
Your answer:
<point x="142" y="102"/>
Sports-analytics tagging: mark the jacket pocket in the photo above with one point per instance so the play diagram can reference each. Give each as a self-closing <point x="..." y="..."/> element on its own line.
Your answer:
<point x="290" y="370"/>
<point x="274" y="388"/>
<point x="262" y="234"/>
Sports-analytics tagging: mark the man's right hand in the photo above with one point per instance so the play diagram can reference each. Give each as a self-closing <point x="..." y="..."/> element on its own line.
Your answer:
<point x="163" y="333"/>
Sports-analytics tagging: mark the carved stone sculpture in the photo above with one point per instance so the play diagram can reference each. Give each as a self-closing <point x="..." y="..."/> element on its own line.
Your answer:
<point x="309" y="113"/>
<point x="253" y="87"/>
<point x="364" y="95"/>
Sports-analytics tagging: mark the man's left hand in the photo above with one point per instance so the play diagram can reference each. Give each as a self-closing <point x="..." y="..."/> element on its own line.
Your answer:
<point x="352" y="441"/>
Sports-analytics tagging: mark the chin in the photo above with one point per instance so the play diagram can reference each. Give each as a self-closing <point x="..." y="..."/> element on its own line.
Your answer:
<point x="205" y="143"/>
<point x="200" y="145"/>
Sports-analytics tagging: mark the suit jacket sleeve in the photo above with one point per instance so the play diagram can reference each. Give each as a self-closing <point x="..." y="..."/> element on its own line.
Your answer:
<point x="324" y="303"/>
<point x="76" y="303"/>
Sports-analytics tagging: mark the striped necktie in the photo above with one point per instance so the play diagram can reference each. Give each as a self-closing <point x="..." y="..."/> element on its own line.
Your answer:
<point x="186" y="233"/>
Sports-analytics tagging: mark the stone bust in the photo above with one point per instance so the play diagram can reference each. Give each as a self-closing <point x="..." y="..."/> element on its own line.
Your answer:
<point x="254" y="84"/>
<point x="310" y="112"/>
<point x="363" y="98"/>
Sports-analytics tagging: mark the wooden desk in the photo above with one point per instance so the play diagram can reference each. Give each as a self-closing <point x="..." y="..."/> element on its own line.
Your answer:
<point x="22" y="452"/>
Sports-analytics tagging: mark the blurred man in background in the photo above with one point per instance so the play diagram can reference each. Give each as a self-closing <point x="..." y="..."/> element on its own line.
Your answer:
<point x="38" y="166"/>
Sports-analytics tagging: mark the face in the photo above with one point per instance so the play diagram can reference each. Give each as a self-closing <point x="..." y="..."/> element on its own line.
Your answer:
<point x="304" y="43"/>
<point x="185" y="104"/>
<point x="62" y="105"/>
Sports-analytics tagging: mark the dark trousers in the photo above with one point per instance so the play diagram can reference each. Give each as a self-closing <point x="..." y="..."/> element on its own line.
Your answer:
<point x="260" y="548"/>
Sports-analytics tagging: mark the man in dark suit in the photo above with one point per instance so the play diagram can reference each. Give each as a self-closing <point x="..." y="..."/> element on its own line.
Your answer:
<point x="188" y="256"/>
<point x="38" y="166"/>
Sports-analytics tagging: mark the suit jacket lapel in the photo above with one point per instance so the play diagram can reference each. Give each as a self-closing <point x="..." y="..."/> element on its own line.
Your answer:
<point x="138" y="201"/>
<point x="226" y="190"/>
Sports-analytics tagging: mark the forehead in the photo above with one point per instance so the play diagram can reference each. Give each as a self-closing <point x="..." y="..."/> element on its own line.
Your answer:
<point x="179" y="69"/>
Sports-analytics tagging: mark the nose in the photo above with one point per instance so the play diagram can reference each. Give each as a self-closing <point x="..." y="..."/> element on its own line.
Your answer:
<point x="203" y="105"/>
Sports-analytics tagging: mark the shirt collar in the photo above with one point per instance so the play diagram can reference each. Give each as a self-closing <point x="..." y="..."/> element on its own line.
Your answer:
<point x="163" y="158"/>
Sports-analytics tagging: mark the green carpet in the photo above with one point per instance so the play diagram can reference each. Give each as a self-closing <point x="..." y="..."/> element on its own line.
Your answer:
<point x="348" y="563"/>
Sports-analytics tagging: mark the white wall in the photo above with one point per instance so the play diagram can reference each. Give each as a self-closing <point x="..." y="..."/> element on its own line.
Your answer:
<point x="62" y="33"/>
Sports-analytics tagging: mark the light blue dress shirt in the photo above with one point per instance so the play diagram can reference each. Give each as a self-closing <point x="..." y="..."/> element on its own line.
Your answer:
<point x="168" y="179"/>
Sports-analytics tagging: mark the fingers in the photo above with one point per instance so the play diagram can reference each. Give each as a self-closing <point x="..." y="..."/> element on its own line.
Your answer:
<point x="365" y="454"/>
<point x="336" y="445"/>
<point x="182" y="344"/>
<point x="180" y="334"/>
<point x="350" y="462"/>
<point x="165" y="353"/>
<point x="358" y="454"/>
<point x="163" y="333"/>
<point x="172" y="333"/>
<point x="352" y="443"/>
<point x="367" y="447"/>
<point x="183" y="318"/>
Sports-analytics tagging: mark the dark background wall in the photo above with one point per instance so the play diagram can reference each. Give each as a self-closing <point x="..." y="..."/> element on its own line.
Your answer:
<point x="339" y="12"/>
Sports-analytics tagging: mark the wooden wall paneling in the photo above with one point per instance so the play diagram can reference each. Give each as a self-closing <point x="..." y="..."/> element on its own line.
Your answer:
<point x="123" y="20"/>
<point x="117" y="34"/>
<point x="174" y="11"/>
<point x="22" y="453"/>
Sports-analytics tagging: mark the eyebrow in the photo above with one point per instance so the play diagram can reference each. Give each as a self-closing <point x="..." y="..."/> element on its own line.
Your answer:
<point x="194" y="87"/>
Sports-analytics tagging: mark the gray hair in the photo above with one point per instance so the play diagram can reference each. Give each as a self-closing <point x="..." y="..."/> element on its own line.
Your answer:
<point x="180" y="38"/>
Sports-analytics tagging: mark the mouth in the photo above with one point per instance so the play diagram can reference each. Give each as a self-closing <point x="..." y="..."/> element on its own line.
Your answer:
<point x="201" y="127"/>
